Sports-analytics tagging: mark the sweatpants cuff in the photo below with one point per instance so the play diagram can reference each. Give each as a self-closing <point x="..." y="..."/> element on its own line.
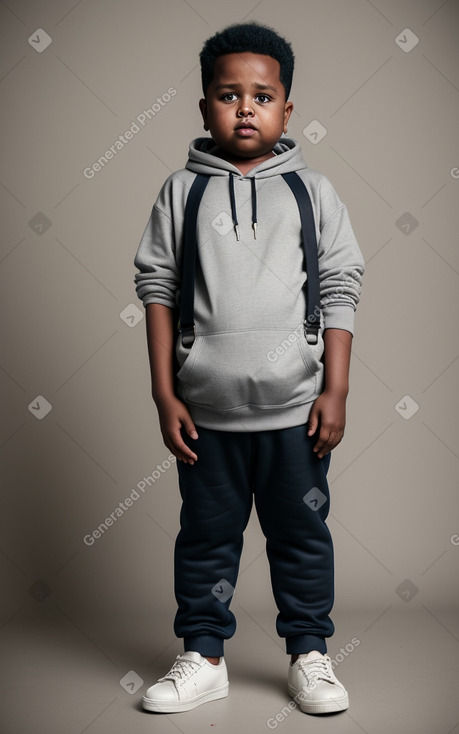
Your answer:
<point x="305" y="643"/>
<point x="206" y="645"/>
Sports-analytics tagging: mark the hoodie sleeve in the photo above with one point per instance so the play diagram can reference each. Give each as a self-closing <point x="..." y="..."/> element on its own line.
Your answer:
<point x="341" y="265"/>
<point x="157" y="258"/>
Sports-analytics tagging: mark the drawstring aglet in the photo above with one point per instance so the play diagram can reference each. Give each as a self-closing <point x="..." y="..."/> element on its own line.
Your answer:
<point x="254" y="227"/>
<point x="236" y="229"/>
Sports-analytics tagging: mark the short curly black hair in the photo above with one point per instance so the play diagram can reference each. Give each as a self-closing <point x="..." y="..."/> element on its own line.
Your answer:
<point x="253" y="37"/>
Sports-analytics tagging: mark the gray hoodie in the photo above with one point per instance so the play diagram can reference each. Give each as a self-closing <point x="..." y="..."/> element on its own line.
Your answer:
<point x="250" y="367"/>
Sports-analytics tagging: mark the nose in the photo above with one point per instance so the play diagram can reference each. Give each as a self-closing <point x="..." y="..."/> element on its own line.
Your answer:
<point x="245" y="107"/>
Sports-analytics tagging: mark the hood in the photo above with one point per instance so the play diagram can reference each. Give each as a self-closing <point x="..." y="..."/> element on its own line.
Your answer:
<point x="203" y="158"/>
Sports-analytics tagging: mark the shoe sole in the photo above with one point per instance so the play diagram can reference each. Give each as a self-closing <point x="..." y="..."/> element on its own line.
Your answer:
<point x="326" y="707"/>
<point x="167" y="707"/>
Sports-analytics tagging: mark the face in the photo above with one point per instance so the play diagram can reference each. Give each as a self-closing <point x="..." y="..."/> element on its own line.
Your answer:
<point x="245" y="108"/>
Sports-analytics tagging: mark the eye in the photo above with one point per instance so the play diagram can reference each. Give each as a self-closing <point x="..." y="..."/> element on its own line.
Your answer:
<point x="263" y="98"/>
<point x="228" y="97"/>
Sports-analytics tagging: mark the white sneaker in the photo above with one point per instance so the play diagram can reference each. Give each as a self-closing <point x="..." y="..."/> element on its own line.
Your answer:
<point x="191" y="681"/>
<point x="315" y="687"/>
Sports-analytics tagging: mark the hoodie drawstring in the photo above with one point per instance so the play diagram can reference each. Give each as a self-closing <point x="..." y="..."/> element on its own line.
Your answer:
<point x="233" y="206"/>
<point x="254" y="208"/>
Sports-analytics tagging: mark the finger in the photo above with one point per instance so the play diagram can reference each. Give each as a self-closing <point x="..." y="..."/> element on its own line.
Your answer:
<point x="189" y="427"/>
<point x="313" y="422"/>
<point x="318" y="447"/>
<point x="333" y="440"/>
<point x="322" y="441"/>
<point x="180" y="449"/>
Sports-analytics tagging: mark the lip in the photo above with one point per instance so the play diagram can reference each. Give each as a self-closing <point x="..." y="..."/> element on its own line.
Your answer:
<point x="246" y="132"/>
<point x="245" y="129"/>
<point x="244" y="124"/>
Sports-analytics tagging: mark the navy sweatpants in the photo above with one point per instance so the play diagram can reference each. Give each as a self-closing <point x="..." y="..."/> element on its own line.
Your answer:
<point x="289" y="484"/>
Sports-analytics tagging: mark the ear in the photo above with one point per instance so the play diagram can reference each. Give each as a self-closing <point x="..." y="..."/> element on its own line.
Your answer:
<point x="203" y="108"/>
<point x="288" y="109"/>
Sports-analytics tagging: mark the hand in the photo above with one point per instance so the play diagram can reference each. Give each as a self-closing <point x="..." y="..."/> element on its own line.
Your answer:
<point x="173" y="415"/>
<point x="328" y="414"/>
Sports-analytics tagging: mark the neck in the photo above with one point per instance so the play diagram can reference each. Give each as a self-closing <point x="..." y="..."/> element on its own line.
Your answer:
<point x="245" y="164"/>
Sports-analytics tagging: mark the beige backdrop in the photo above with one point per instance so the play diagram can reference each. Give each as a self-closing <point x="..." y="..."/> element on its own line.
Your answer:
<point x="376" y="96"/>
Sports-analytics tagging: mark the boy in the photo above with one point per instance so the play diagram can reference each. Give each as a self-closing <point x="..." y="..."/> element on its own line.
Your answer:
<point x="254" y="409"/>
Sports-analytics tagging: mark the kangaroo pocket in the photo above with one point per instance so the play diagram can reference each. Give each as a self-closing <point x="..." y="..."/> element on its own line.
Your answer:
<point x="267" y="369"/>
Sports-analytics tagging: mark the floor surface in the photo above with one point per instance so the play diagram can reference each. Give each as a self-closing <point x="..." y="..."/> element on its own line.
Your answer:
<point x="401" y="670"/>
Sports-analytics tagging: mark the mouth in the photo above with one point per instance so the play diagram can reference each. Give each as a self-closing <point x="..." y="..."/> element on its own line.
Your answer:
<point x="245" y="129"/>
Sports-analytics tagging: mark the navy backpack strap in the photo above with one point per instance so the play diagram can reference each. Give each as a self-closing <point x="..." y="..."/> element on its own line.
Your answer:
<point x="312" y="285"/>
<point x="187" y="326"/>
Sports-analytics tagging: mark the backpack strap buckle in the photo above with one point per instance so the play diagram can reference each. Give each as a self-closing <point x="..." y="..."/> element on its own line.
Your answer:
<point x="311" y="332"/>
<point x="188" y="336"/>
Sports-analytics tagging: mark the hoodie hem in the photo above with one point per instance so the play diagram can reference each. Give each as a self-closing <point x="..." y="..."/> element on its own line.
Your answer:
<point x="252" y="419"/>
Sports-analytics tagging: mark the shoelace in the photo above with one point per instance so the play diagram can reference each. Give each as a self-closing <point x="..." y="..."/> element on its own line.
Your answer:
<point x="315" y="670"/>
<point x="180" y="670"/>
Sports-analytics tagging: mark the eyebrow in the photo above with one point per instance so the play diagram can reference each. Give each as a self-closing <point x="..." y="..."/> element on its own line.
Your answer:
<point x="261" y="87"/>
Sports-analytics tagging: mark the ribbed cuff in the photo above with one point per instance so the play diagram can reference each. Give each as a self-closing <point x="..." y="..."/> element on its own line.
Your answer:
<point x="305" y="643"/>
<point x="162" y="301"/>
<point x="206" y="645"/>
<point x="339" y="317"/>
